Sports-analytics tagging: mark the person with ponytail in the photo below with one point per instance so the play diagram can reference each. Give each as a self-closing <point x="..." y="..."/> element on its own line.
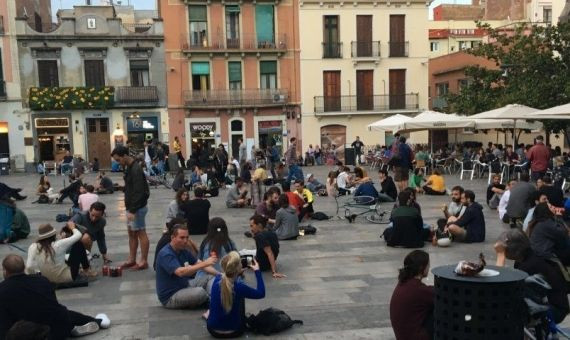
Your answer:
<point x="226" y="317"/>
<point x="411" y="306"/>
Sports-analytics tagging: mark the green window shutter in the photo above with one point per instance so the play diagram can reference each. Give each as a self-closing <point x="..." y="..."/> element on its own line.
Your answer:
<point x="268" y="67"/>
<point x="234" y="70"/>
<point x="232" y="9"/>
<point x="200" y="68"/>
<point x="264" y="23"/>
<point x="197" y="13"/>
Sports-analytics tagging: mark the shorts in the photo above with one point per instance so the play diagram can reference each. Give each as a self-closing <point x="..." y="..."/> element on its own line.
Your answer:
<point x="461" y="237"/>
<point x="138" y="223"/>
<point x="401" y="174"/>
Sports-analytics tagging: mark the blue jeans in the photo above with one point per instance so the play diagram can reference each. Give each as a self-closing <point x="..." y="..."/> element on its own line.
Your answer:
<point x="384" y="198"/>
<point x="294" y="172"/>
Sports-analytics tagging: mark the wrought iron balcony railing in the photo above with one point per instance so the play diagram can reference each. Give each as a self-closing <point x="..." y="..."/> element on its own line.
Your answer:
<point x="236" y="98"/>
<point x="357" y="103"/>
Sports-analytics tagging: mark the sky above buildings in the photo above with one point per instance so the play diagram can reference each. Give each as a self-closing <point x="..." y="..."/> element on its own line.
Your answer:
<point x="151" y="4"/>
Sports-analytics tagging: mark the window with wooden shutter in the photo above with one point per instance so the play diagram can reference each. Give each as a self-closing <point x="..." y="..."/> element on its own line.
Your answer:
<point x="94" y="73"/>
<point x="139" y="73"/>
<point x="47" y="73"/>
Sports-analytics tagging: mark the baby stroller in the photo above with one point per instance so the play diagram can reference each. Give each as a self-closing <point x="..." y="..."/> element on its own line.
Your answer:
<point x="540" y="325"/>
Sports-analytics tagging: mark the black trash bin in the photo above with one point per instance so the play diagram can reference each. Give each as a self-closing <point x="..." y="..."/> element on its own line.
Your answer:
<point x="349" y="156"/>
<point x="489" y="308"/>
<point x="4" y="166"/>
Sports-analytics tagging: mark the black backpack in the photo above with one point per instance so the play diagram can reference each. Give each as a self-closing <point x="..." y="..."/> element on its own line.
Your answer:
<point x="270" y="321"/>
<point x="319" y="216"/>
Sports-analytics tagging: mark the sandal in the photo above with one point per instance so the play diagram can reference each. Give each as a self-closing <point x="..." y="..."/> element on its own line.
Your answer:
<point x="128" y="264"/>
<point x="139" y="267"/>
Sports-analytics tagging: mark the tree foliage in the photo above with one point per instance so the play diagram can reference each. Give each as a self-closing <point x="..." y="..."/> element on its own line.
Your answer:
<point x="534" y="64"/>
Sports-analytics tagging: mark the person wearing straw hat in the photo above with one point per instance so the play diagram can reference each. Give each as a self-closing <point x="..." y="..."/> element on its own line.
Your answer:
<point x="47" y="254"/>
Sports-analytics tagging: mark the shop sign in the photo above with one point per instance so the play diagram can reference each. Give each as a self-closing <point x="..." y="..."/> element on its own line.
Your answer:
<point x="268" y="124"/>
<point x="202" y="127"/>
<point x="52" y="122"/>
<point x="142" y="124"/>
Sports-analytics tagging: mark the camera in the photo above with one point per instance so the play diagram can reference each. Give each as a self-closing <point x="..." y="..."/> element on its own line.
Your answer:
<point x="246" y="261"/>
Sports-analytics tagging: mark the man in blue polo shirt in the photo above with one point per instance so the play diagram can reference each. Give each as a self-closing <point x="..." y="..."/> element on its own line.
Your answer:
<point x="176" y="286"/>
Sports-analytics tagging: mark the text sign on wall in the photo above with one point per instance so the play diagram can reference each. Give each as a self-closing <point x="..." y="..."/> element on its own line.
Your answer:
<point x="202" y="127"/>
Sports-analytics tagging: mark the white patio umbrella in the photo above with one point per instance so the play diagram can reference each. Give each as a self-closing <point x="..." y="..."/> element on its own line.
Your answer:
<point x="389" y="123"/>
<point x="512" y="112"/>
<point x="431" y="120"/>
<point x="556" y="112"/>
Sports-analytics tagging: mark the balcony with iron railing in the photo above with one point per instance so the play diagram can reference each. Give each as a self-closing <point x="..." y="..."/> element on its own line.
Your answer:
<point x="136" y="96"/>
<point x="332" y="50"/>
<point x="398" y="48"/>
<point x="227" y="99"/>
<point x="71" y="98"/>
<point x="439" y="103"/>
<point x="365" y="49"/>
<point x="246" y="42"/>
<point x="367" y="104"/>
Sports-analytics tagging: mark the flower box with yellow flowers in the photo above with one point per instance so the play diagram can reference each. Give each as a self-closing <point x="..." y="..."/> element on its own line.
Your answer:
<point x="71" y="98"/>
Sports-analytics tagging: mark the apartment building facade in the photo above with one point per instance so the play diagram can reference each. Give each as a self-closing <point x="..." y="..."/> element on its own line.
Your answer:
<point x="362" y="62"/>
<point x="92" y="83"/>
<point x="232" y="73"/>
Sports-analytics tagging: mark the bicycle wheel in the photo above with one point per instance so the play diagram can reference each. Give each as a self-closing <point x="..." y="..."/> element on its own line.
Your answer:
<point x="378" y="219"/>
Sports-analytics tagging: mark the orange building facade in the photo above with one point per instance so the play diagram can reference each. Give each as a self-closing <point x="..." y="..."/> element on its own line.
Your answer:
<point x="232" y="73"/>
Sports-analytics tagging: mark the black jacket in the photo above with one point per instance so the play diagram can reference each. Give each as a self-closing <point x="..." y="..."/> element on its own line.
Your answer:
<point x="389" y="188"/>
<point x="136" y="188"/>
<point x="407" y="230"/>
<point x="32" y="298"/>
<point x="473" y="221"/>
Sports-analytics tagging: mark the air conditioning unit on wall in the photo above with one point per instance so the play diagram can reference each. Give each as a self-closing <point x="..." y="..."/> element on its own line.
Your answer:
<point x="279" y="98"/>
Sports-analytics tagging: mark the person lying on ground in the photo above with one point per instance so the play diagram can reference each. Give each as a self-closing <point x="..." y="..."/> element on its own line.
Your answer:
<point x="7" y="192"/>
<point x="32" y="298"/>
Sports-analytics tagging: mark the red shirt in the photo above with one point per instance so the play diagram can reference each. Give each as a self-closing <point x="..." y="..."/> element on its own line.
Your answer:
<point x="411" y="302"/>
<point x="539" y="155"/>
<point x="295" y="200"/>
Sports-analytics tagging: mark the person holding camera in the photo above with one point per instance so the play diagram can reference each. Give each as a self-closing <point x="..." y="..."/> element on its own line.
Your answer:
<point x="226" y="317"/>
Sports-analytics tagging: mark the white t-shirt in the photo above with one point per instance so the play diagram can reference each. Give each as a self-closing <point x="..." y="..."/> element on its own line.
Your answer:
<point x="86" y="199"/>
<point x="503" y="204"/>
<point x="146" y="155"/>
<point x="342" y="180"/>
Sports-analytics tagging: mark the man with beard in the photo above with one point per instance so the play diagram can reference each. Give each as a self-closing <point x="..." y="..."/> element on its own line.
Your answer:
<point x="455" y="208"/>
<point x="268" y="208"/>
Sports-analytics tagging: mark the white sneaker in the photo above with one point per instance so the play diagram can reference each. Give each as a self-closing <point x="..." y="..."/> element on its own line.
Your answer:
<point x="88" y="328"/>
<point x="105" y="321"/>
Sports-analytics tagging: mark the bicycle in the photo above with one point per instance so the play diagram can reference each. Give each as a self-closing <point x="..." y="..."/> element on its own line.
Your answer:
<point x="157" y="180"/>
<point x="363" y="205"/>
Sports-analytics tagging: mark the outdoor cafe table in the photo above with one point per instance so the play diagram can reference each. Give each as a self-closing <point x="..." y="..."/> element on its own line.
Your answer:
<point x="478" y="307"/>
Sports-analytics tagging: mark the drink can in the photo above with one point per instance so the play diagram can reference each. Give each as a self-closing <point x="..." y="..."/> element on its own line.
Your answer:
<point x="120" y="271"/>
<point x="105" y="270"/>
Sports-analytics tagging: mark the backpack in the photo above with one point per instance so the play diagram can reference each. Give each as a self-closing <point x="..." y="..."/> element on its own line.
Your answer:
<point x="319" y="216"/>
<point x="270" y="321"/>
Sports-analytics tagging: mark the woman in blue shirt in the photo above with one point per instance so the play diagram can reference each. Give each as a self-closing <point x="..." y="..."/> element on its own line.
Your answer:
<point x="217" y="241"/>
<point x="226" y="318"/>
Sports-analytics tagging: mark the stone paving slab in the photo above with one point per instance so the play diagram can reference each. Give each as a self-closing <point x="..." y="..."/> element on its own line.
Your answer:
<point x="339" y="281"/>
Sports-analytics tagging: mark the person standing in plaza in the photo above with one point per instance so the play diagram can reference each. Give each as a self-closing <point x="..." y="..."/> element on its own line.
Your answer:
<point x="539" y="156"/>
<point x="136" y="197"/>
<point x="291" y="159"/>
<point x="357" y="145"/>
<point x="178" y="149"/>
<point x="403" y="164"/>
<point x="242" y="156"/>
<point x="149" y="154"/>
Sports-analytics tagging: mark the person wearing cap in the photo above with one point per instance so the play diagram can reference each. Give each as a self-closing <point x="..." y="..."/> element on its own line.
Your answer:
<point x="47" y="254"/>
<point x="539" y="156"/>
<point x="32" y="298"/>
<point x="313" y="184"/>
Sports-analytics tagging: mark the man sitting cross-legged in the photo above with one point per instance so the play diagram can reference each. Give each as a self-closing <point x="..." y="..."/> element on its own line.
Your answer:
<point x="470" y="227"/>
<point x="494" y="192"/>
<point x="175" y="268"/>
<point x="32" y="298"/>
<point x="408" y="230"/>
<point x="237" y="195"/>
<point x="455" y="207"/>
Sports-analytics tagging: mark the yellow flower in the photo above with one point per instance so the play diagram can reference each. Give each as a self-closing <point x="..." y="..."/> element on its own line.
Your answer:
<point x="106" y="98"/>
<point x="96" y="98"/>
<point x="82" y="100"/>
<point x="74" y="102"/>
<point x="34" y="98"/>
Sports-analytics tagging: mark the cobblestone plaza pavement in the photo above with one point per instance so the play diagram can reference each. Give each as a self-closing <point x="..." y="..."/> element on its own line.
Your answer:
<point x="339" y="281"/>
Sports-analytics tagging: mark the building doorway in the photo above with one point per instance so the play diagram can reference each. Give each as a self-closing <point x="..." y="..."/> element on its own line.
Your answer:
<point x="333" y="135"/>
<point x="4" y="144"/>
<point x="98" y="141"/>
<point x="271" y="133"/>
<point x="236" y="132"/>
